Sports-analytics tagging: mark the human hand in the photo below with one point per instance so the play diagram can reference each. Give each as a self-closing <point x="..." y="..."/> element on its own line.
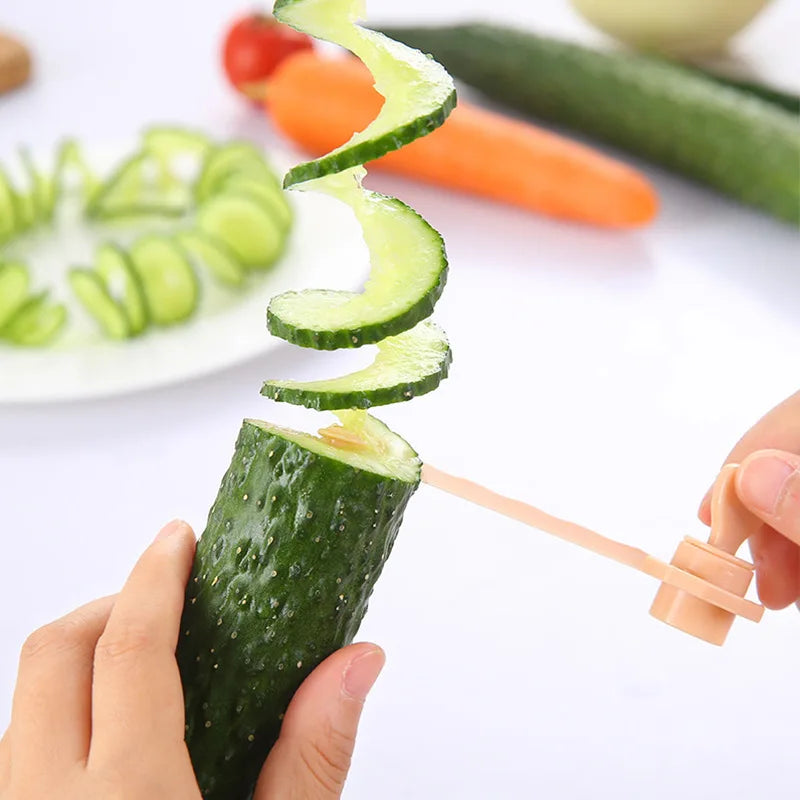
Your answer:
<point x="98" y="708"/>
<point x="768" y="483"/>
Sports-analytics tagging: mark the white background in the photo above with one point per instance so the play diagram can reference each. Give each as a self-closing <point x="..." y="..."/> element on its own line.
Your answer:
<point x="601" y="375"/>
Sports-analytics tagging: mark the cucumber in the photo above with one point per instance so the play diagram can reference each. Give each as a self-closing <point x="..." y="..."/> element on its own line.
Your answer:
<point x="123" y="284"/>
<point x="268" y="195"/>
<point x="408" y="365"/>
<point x="408" y="274"/>
<point x="740" y="144"/>
<point x="224" y="161"/>
<point x="37" y="186"/>
<point x="14" y="287"/>
<point x="8" y="208"/>
<point x="137" y="188"/>
<point x="36" y="323"/>
<point x="214" y="255"/>
<point x="419" y="93"/>
<point x="167" y="142"/>
<point x="169" y="283"/>
<point x="240" y="222"/>
<point x="294" y="543"/>
<point x="91" y="291"/>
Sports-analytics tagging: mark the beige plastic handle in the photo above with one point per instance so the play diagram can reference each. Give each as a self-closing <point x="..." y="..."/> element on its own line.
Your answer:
<point x="702" y="614"/>
<point x="702" y="589"/>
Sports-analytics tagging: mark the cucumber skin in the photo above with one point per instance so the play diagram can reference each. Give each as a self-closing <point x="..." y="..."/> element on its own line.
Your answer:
<point x="361" y="398"/>
<point x="271" y="623"/>
<point x="736" y="142"/>
<point x="371" y="149"/>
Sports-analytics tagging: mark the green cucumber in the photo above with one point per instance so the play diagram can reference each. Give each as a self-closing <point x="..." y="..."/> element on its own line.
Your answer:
<point x="267" y="194"/>
<point x="240" y="222"/>
<point x="419" y="93"/>
<point x="224" y="161"/>
<point x="8" y="208"/>
<point x="738" y="143"/>
<point x="36" y="323"/>
<point x="408" y="365"/>
<point x="214" y="255"/>
<point x="294" y="543"/>
<point x="123" y="284"/>
<point x="166" y="142"/>
<point x="302" y="525"/>
<point x="93" y="295"/>
<point x="408" y="274"/>
<point x="137" y="188"/>
<point x="168" y="281"/>
<point x="14" y="287"/>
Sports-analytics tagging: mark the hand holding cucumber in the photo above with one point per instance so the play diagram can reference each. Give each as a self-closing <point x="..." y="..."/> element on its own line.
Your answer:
<point x="769" y="485"/>
<point x="98" y="708"/>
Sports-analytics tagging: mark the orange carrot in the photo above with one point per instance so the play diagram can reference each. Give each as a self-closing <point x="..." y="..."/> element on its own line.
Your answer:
<point x="319" y="102"/>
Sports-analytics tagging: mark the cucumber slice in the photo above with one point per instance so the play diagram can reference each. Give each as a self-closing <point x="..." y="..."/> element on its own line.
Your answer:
<point x="14" y="287"/>
<point x="122" y="283"/>
<point x="38" y="185"/>
<point x="215" y="256"/>
<point x="137" y="188"/>
<point x="170" y="285"/>
<point x="408" y="274"/>
<point x="408" y="365"/>
<point x="90" y="289"/>
<point x="8" y="208"/>
<point x="36" y="323"/>
<point x="167" y="142"/>
<point x="294" y="544"/>
<point x="419" y="93"/>
<point x="270" y="196"/>
<point x="235" y="158"/>
<point x="252" y="235"/>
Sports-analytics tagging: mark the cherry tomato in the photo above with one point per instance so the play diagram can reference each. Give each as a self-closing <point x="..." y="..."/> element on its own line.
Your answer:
<point x="254" y="46"/>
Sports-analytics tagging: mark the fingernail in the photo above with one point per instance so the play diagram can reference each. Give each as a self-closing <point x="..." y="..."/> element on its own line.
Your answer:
<point x="762" y="481"/>
<point x="170" y="528"/>
<point x="362" y="672"/>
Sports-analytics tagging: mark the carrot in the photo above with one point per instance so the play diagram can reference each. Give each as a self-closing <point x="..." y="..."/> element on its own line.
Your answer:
<point x="319" y="102"/>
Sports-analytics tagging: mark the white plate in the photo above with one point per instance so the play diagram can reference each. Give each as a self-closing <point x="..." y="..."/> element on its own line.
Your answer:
<point x="325" y="250"/>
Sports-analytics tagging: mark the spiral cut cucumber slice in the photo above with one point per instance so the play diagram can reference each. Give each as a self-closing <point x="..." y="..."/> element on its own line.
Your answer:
<point x="168" y="281"/>
<point x="408" y="274"/>
<point x="123" y="284"/>
<point x="37" y="322"/>
<point x="239" y="221"/>
<point x="91" y="291"/>
<point x="419" y="93"/>
<point x="407" y="365"/>
<point x="14" y="287"/>
<point x="214" y="255"/>
<point x="8" y="208"/>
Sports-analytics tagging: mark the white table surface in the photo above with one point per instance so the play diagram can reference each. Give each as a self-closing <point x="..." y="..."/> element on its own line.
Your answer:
<point x="603" y="376"/>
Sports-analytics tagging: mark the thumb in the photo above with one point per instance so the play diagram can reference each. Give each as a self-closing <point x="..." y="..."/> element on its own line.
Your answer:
<point x="312" y="756"/>
<point x="768" y="483"/>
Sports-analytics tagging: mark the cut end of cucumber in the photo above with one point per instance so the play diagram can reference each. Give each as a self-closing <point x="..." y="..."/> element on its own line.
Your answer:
<point x="383" y="452"/>
<point x="408" y="365"/>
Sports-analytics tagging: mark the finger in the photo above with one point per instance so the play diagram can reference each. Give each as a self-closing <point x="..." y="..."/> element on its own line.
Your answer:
<point x="768" y="483"/>
<point x="51" y="711"/>
<point x="311" y="758"/>
<point x="5" y="760"/>
<point x="137" y="699"/>
<point x="779" y="428"/>
<point x="777" y="562"/>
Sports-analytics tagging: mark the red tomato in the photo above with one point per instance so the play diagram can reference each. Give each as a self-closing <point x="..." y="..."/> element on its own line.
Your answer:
<point x="254" y="46"/>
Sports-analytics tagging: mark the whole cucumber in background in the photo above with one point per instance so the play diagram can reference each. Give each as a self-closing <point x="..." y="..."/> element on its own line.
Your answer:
<point x="741" y="144"/>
